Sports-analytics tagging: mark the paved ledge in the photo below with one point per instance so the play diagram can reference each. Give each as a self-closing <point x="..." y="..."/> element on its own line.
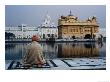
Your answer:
<point x="61" y="64"/>
<point x="44" y="40"/>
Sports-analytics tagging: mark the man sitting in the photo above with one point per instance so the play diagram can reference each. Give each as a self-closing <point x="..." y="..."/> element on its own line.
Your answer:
<point x="34" y="53"/>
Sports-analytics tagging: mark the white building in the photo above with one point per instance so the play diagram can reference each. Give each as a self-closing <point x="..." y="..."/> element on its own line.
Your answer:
<point x="48" y="29"/>
<point x="22" y="31"/>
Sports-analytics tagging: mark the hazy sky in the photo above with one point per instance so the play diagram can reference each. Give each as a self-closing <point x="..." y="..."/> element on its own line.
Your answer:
<point x="33" y="15"/>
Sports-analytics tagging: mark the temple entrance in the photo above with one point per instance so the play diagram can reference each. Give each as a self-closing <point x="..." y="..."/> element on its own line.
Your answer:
<point x="43" y="35"/>
<point x="73" y="37"/>
<point x="87" y="36"/>
<point x="94" y="36"/>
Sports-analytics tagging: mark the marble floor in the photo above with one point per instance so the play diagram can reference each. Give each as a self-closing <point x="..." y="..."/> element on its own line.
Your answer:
<point x="61" y="64"/>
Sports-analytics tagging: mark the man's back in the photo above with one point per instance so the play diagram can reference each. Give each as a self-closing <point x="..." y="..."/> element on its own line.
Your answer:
<point x="34" y="54"/>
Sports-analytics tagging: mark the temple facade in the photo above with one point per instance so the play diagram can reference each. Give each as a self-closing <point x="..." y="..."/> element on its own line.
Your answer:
<point x="48" y="29"/>
<point x="72" y="28"/>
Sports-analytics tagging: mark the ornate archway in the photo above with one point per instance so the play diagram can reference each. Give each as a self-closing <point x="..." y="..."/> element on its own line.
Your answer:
<point x="87" y="36"/>
<point x="73" y="37"/>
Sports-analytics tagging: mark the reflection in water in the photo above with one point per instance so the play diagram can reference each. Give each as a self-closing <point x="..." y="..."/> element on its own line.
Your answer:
<point x="78" y="50"/>
<point x="15" y="51"/>
<point x="50" y="50"/>
<point x="7" y="46"/>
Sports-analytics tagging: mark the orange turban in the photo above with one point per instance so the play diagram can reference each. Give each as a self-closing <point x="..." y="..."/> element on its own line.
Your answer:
<point x="35" y="38"/>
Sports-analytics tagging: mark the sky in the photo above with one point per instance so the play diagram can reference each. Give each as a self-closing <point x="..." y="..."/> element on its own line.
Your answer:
<point x="34" y="15"/>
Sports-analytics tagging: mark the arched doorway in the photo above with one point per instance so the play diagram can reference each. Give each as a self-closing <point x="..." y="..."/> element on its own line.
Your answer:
<point x="43" y="36"/>
<point x="94" y="36"/>
<point x="87" y="36"/>
<point x="73" y="37"/>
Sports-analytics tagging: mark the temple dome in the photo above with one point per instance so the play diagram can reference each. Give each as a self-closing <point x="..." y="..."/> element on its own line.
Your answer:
<point x="48" y="22"/>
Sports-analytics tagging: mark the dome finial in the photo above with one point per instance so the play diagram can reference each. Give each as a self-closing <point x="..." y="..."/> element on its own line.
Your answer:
<point x="70" y="13"/>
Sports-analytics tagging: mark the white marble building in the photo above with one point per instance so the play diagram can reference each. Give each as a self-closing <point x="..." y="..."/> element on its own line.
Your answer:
<point x="22" y="31"/>
<point x="46" y="30"/>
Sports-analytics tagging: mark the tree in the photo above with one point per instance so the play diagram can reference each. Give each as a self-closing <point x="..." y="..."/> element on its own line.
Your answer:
<point x="9" y="35"/>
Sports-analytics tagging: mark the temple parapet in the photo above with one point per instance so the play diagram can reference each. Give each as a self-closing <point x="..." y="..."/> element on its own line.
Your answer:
<point x="71" y="27"/>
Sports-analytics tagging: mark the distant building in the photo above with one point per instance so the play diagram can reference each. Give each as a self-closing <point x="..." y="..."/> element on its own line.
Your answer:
<point x="70" y="27"/>
<point x="23" y="31"/>
<point x="48" y="29"/>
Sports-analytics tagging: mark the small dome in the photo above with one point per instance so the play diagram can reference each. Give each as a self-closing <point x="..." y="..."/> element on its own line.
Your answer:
<point x="47" y="22"/>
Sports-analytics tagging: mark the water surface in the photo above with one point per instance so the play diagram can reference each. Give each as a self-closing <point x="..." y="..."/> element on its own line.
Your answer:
<point x="16" y="51"/>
